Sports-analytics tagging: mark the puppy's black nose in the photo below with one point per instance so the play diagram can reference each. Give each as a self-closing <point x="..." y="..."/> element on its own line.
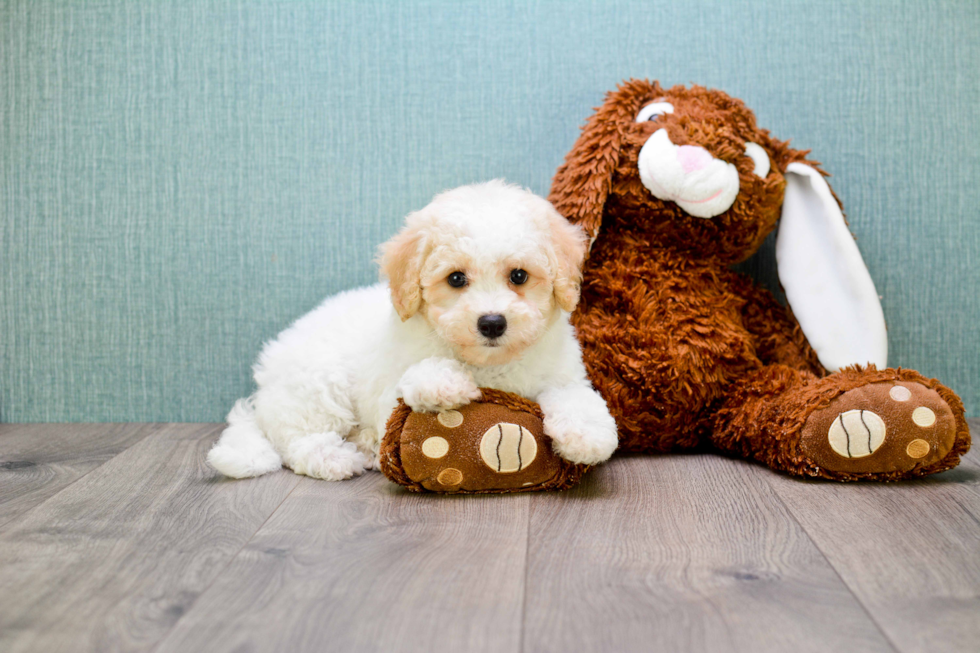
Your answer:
<point x="492" y="326"/>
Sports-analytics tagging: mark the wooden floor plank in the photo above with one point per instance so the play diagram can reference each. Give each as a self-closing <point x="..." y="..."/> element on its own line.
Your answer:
<point x="909" y="551"/>
<point x="111" y="562"/>
<point x="39" y="460"/>
<point x="682" y="553"/>
<point x="365" y="566"/>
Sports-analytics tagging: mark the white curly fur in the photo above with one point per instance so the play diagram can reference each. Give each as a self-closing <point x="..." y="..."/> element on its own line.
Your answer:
<point x="436" y="384"/>
<point x="327" y="384"/>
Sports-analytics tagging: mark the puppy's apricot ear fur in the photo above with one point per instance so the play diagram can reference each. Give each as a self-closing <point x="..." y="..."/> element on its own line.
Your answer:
<point x="401" y="263"/>
<point x="569" y="245"/>
<point x="582" y="183"/>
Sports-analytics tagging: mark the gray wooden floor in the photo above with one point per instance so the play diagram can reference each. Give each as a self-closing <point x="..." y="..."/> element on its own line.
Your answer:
<point x="119" y="538"/>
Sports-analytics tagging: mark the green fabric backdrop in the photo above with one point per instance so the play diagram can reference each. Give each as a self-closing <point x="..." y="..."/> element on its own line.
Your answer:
<point x="182" y="179"/>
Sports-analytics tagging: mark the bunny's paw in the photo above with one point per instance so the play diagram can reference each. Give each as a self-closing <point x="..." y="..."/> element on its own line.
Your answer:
<point x="880" y="428"/>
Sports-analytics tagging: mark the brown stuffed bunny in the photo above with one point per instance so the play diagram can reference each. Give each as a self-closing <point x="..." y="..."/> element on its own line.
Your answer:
<point x="675" y="186"/>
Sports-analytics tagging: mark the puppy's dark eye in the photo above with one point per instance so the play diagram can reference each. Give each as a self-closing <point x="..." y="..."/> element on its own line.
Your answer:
<point x="517" y="277"/>
<point x="457" y="279"/>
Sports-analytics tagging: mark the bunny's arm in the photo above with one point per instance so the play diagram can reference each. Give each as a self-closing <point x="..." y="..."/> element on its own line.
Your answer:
<point x="778" y="336"/>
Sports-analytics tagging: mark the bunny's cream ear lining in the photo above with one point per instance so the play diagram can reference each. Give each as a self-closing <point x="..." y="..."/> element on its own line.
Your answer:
<point x="825" y="279"/>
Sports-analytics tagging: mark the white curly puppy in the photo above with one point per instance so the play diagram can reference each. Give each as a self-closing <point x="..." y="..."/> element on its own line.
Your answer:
<point x="481" y="282"/>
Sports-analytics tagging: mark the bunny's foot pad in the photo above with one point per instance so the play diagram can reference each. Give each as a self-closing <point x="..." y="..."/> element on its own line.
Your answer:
<point x="495" y="445"/>
<point x="880" y="428"/>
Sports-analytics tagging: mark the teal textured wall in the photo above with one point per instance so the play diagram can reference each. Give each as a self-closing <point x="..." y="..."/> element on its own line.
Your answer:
<point x="179" y="180"/>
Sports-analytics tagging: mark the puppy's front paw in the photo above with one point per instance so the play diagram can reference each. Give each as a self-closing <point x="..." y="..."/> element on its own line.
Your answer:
<point x="579" y="424"/>
<point x="437" y="384"/>
<point x="581" y="447"/>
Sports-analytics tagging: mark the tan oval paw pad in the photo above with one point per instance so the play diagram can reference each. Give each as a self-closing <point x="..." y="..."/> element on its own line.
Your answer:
<point x="856" y="433"/>
<point x="917" y="448"/>
<point x="435" y="447"/>
<point x="508" y="448"/>
<point x="450" y="477"/>
<point x="923" y="417"/>
<point x="450" y="418"/>
<point x="900" y="393"/>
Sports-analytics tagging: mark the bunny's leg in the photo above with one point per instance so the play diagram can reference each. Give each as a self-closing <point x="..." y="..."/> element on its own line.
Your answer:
<point x="856" y="424"/>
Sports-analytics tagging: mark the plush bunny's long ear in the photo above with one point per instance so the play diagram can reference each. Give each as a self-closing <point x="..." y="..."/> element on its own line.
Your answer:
<point x="583" y="181"/>
<point x="825" y="279"/>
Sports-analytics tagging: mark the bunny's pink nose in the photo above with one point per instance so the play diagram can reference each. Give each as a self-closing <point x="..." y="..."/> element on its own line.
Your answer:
<point x="693" y="158"/>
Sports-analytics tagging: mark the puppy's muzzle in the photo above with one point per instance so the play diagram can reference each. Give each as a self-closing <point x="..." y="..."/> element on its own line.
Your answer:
<point x="492" y="326"/>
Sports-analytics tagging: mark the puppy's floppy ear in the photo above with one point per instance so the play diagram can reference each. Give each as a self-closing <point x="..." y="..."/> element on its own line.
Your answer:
<point x="401" y="263"/>
<point x="568" y="247"/>
<point x="826" y="281"/>
<point x="582" y="183"/>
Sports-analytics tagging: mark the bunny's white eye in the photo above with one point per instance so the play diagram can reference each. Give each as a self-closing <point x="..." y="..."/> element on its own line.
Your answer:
<point x="653" y="110"/>
<point x="759" y="157"/>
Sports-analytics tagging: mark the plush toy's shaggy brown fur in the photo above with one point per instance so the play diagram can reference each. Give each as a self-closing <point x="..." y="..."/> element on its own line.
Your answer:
<point x="688" y="352"/>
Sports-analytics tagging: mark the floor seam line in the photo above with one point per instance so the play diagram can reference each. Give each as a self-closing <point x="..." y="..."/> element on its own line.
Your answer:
<point x="527" y="569"/>
<point x="231" y="559"/>
<point x="833" y="567"/>
<point x="97" y="467"/>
